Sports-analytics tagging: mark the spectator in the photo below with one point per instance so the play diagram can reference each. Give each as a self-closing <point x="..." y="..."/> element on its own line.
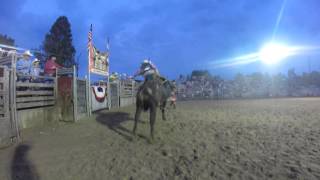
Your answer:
<point x="36" y="70"/>
<point x="114" y="76"/>
<point x="23" y="66"/>
<point x="51" y="66"/>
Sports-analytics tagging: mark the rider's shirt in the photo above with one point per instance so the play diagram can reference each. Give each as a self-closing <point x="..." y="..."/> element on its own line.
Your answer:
<point x="148" y="70"/>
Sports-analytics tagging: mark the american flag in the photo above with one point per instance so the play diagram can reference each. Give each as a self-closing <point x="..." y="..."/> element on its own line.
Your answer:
<point x="90" y="37"/>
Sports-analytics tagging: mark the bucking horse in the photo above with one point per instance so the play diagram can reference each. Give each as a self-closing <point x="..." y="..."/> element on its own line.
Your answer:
<point x="152" y="94"/>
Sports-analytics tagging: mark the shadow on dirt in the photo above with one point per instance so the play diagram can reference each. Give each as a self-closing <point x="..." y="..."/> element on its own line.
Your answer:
<point x="113" y="121"/>
<point x="21" y="167"/>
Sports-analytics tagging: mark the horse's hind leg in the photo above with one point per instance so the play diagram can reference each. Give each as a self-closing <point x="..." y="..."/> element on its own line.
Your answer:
<point x="136" y="119"/>
<point x="153" y="113"/>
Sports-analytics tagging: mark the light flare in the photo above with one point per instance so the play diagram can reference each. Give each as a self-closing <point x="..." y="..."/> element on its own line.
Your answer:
<point x="279" y="51"/>
<point x="272" y="53"/>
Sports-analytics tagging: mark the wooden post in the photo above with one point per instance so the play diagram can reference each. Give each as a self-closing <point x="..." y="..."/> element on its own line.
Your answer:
<point x="90" y="97"/>
<point x="6" y="88"/>
<point x="75" y="95"/>
<point x="6" y="102"/>
<point x="89" y="88"/>
<point x="13" y="90"/>
<point x="133" y="90"/>
<point x="87" y="96"/>
<point x="56" y="87"/>
<point x="108" y="93"/>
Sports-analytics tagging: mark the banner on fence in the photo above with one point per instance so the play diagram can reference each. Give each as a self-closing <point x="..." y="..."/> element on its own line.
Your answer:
<point x="99" y="62"/>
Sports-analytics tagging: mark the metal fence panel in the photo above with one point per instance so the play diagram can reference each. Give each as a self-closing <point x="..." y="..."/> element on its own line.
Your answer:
<point x="6" y="131"/>
<point x="114" y="93"/>
<point x="81" y="97"/>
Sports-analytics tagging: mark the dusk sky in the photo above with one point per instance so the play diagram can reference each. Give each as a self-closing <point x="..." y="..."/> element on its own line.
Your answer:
<point x="178" y="35"/>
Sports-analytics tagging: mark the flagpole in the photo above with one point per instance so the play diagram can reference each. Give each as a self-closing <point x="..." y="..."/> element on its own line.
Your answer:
<point x="108" y="77"/>
<point x="89" y="66"/>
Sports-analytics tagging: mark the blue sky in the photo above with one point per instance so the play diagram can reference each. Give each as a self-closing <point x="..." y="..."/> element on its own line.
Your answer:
<point x="178" y="35"/>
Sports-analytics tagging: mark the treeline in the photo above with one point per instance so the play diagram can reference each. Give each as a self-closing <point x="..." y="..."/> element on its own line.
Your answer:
<point x="58" y="42"/>
<point x="201" y="84"/>
<point x="6" y="40"/>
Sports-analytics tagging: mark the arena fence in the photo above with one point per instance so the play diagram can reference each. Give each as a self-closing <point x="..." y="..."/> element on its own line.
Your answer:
<point x="35" y="94"/>
<point x="115" y="94"/>
<point x="7" y="123"/>
<point x="28" y="101"/>
<point x="127" y="92"/>
<point x="123" y="93"/>
<point x="81" y="98"/>
<point x="72" y="95"/>
<point x="9" y="130"/>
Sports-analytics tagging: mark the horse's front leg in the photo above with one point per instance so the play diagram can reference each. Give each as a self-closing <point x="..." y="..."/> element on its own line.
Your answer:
<point x="136" y="118"/>
<point x="153" y="113"/>
<point x="163" y="109"/>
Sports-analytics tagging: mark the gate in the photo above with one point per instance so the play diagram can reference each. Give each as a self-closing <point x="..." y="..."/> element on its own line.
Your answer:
<point x="114" y="93"/>
<point x="74" y="92"/>
<point x="81" y="98"/>
<point x="127" y="93"/>
<point x="6" y="122"/>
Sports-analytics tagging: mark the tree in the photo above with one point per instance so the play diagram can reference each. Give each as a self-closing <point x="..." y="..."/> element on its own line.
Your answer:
<point x="6" y="40"/>
<point x="58" y="42"/>
<point x="200" y="73"/>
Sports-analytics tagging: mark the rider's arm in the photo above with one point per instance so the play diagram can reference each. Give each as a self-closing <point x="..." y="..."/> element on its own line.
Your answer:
<point x="138" y="73"/>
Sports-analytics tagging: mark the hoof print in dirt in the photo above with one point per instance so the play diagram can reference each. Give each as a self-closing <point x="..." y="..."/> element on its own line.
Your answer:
<point x="164" y="153"/>
<point x="151" y="141"/>
<point x="177" y="171"/>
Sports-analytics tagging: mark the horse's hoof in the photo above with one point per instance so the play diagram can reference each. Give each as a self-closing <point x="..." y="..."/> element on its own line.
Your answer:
<point x="151" y="141"/>
<point x="134" y="138"/>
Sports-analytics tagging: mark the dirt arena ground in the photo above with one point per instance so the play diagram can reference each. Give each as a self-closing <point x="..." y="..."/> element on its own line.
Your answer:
<point x="231" y="139"/>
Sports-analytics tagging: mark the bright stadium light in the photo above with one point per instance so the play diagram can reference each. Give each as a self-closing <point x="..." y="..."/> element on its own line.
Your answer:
<point x="272" y="53"/>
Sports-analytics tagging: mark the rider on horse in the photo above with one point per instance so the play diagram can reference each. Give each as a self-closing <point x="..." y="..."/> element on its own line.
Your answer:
<point x="149" y="71"/>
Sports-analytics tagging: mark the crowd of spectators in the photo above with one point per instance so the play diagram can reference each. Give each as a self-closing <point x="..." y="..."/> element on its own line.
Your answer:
<point x="28" y="67"/>
<point x="255" y="85"/>
<point x="197" y="87"/>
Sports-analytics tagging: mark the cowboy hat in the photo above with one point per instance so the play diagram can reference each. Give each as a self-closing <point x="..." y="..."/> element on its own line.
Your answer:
<point x="145" y="61"/>
<point x="27" y="53"/>
<point x="35" y="61"/>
